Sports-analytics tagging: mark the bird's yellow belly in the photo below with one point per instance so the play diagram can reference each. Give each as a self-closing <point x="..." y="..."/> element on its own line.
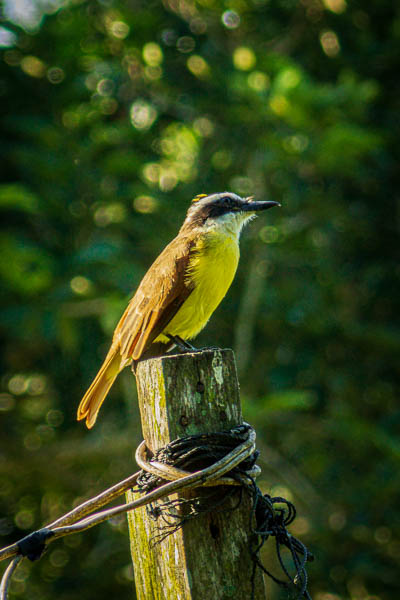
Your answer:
<point x="211" y="271"/>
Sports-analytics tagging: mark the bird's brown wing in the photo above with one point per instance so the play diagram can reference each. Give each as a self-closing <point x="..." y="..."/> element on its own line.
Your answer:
<point x="158" y="298"/>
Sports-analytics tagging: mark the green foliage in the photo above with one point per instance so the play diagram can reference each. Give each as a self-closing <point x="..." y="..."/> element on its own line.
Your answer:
<point x="114" y="115"/>
<point x="16" y="196"/>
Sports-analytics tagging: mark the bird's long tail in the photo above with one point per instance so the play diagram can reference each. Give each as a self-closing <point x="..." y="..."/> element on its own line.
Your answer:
<point x="95" y="396"/>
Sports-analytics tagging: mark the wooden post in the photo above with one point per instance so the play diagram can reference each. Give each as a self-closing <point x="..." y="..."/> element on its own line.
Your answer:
<point x="209" y="556"/>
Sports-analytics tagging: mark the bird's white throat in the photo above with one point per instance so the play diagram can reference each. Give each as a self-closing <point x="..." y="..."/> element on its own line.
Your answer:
<point x="229" y="224"/>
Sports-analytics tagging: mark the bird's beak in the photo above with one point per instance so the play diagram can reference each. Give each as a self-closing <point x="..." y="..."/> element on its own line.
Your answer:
<point x="253" y="206"/>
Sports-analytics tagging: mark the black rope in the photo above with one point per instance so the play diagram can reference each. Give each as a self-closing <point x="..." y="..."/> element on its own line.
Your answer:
<point x="196" y="452"/>
<point x="171" y="519"/>
<point x="269" y="516"/>
<point x="33" y="545"/>
<point x="272" y="515"/>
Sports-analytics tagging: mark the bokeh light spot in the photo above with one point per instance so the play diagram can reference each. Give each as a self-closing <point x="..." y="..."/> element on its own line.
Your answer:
<point x="110" y="213"/>
<point x="59" y="558"/>
<point x="244" y="58"/>
<point x="296" y="143"/>
<point x="33" y="66"/>
<point x="198" y="26"/>
<point x="145" y="204"/>
<point x="18" y="385"/>
<point x="330" y="43"/>
<point x="119" y="29"/>
<point x="168" y="180"/>
<point x="80" y="285"/>
<point x="203" y="126"/>
<point x="279" y="105"/>
<point x="230" y="19"/>
<point x="151" y="172"/>
<point x="105" y="87"/>
<point x="198" y="66"/>
<point x="55" y="75"/>
<point x="36" y="385"/>
<point x="186" y="44"/>
<point x="24" y="519"/>
<point x="289" y="78"/>
<point x="152" y="54"/>
<point x="169" y="36"/>
<point x="152" y="73"/>
<point x="336" y="6"/>
<point x="258" y="81"/>
<point x="269" y="234"/>
<point x="142" y="114"/>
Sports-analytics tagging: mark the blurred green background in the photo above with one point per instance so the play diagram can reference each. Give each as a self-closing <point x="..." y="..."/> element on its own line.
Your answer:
<point x="114" y="114"/>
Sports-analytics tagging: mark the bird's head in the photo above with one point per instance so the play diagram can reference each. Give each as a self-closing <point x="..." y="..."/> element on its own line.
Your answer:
<point x="225" y="211"/>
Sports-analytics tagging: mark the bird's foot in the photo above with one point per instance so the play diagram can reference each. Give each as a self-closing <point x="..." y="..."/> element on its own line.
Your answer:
<point x="182" y="345"/>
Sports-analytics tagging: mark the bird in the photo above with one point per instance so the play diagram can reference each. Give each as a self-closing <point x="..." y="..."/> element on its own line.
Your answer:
<point x="179" y="292"/>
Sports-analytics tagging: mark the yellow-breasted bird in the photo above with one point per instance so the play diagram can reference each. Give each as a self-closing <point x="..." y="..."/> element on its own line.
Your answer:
<point x="179" y="292"/>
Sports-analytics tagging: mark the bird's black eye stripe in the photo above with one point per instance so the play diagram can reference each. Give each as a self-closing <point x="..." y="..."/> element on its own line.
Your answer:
<point x="229" y="203"/>
<point x="222" y="206"/>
